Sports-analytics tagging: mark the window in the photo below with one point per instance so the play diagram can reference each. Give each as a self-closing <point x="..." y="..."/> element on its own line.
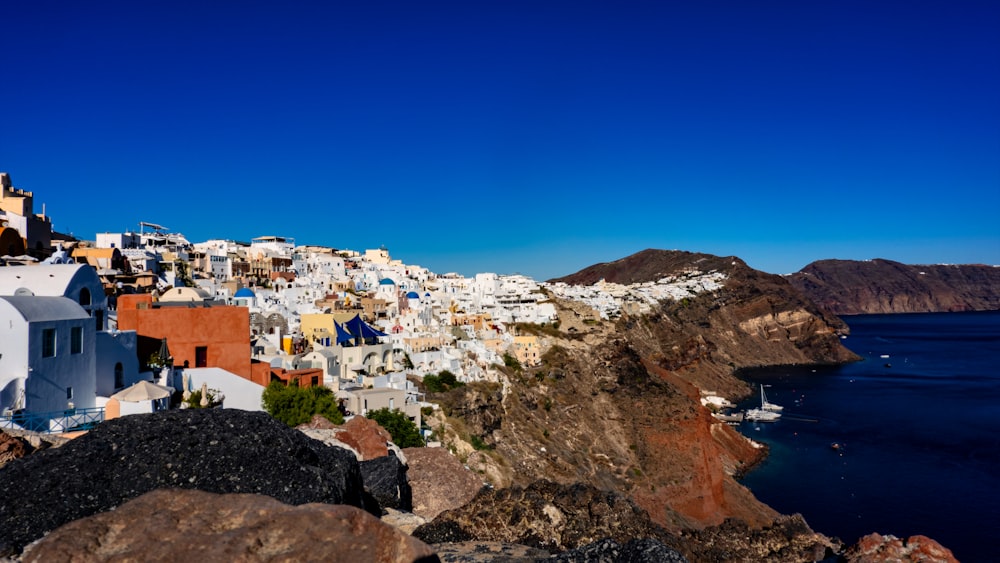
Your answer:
<point x="84" y="297"/>
<point x="119" y="376"/>
<point x="48" y="342"/>
<point x="69" y="393"/>
<point x="76" y="340"/>
<point x="201" y="357"/>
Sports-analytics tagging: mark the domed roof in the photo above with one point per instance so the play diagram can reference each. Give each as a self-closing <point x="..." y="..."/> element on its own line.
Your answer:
<point x="244" y="292"/>
<point x="413" y="295"/>
<point x="386" y="281"/>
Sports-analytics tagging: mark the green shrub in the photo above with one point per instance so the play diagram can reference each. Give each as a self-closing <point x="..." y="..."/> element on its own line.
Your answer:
<point x="478" y="443"/>
<point x="296" y="405"/>
<point x="511" y="362"/>
<point x="405" y="433"/>
<point x="194" y="399"/>
<point x="444" y="381"/>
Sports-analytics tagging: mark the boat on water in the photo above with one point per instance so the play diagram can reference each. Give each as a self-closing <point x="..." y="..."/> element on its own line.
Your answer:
<point x="767" y="405"/>
<point x="761" y="415"/>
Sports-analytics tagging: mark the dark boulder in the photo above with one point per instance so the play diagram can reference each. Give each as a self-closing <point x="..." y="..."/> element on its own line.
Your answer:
<point x="213" y="450"/>
<point x="544" y="515"/>
<point x="385" y="479"/>
<point x="609" y="551"/>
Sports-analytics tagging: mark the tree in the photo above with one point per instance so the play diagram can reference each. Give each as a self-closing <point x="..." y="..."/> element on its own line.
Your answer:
<point x="404" y="432"/>
<point x="296" y="405"/>
<point x="444" y="381"/>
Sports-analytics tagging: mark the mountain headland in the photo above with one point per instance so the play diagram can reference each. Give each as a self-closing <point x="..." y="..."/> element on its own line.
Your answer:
<point x="851" y="287"/>
<point x="616" y="403"/>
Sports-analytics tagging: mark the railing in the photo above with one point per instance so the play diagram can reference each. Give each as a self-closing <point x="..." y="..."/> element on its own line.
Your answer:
<point x="69" y="420"/>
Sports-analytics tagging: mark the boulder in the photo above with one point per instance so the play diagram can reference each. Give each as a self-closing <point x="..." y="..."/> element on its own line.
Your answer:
<point x="876" y="548"/>
<point x="213" y="450"/>
<point x="329" y="437"/>
<point x="185" y="525"/>
<point x="404" y="521"/>
<point x="489" y="552"/>
<point x="385" y="479"/>
<point x="365" y="436"/>
<point x="439" y="481"/>
<point x="543" y="515"/>
<point x="787" y="538"/>
<point x="608" y="550"/>
<point x="12" y="447"/>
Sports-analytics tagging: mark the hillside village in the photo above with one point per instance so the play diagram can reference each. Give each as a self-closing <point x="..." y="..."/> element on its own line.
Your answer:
<point x="115" y="326"/>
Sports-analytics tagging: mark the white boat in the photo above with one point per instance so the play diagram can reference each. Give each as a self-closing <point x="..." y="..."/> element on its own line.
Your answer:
<point x="768" y="406"/>
<point x="761" y="415"/>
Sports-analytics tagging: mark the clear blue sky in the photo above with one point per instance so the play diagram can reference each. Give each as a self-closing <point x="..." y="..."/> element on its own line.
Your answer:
<point x="537" y="137"/>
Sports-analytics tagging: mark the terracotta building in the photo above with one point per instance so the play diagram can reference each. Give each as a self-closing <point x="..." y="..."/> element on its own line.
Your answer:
<point x="205" y="334"/>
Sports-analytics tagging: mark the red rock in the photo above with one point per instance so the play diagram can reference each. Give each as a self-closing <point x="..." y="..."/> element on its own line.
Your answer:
<point x="876" y="548"/>
<point x="188" y="525"/>
<point x="365" y="436"/>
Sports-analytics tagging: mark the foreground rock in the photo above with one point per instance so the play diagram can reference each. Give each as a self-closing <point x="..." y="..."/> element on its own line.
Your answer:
<point x="12" y="447"/>
<point x="635" y="551"/>
<point x="179" y="525"/>
<point x="214" y="450"/>
<point x="385" y="479"/>
<point x="788" y="539"/>
<point x="543" y="515"/>
<point x="876" y="548"/>
<point x="439" y="481"/>
<point x="489" y="552"/>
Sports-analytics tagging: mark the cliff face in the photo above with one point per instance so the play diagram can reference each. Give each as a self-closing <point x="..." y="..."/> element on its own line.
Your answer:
<point x="615" y="404"/>
<point x="848" y="287"/>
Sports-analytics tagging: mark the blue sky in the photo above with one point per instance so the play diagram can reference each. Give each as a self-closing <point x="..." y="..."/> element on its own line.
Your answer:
<point x="532" y="137"/>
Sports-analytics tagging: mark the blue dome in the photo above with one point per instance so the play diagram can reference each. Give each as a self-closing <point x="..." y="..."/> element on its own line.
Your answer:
<point x="386" y="281"/>
<point x="244" y="292"/>
<point x="413" y="295"/>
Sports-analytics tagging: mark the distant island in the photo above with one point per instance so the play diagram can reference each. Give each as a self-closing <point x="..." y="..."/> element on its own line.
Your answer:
<point x="852" y="287"/>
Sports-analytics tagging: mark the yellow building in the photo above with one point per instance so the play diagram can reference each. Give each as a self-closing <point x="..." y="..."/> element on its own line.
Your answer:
<point x="527" y="350"/>
<point x="318" y="327"/>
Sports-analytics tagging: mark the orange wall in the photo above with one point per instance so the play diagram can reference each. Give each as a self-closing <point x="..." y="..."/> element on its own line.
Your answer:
<point x="225" y="331"/>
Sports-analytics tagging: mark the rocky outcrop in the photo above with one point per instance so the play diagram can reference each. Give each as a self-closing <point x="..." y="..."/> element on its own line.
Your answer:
<point x="876" y="548"/>
<point x="213" y="450"/>
<point x="13" y="447"/>
<point x="635" y="551"/>
<point x="16" y="443"/>
<point x="543" y="515"/>
<point x="618" y="406"/>
<point x="788" y="539"/>
<point x="850" y="287"/>
<point x="185" y="525"/>
<point x="439" y="481"/>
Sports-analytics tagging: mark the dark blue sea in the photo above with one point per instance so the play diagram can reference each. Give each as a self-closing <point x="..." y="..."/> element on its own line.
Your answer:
<point x="919" y="433"/>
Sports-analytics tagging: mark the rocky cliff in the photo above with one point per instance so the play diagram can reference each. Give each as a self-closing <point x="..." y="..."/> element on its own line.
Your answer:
<point x="615" y="404"/>
<point x="849" y="287"/>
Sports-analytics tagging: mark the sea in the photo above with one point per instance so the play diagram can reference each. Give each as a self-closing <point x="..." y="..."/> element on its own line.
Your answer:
<point x="904" y="442"/>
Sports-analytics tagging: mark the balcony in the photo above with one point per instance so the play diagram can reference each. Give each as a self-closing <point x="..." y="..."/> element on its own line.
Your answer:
<point x="55" y="422"/>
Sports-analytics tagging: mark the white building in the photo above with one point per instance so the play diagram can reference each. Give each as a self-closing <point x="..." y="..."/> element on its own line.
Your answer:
<point x="47" y="355"/>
